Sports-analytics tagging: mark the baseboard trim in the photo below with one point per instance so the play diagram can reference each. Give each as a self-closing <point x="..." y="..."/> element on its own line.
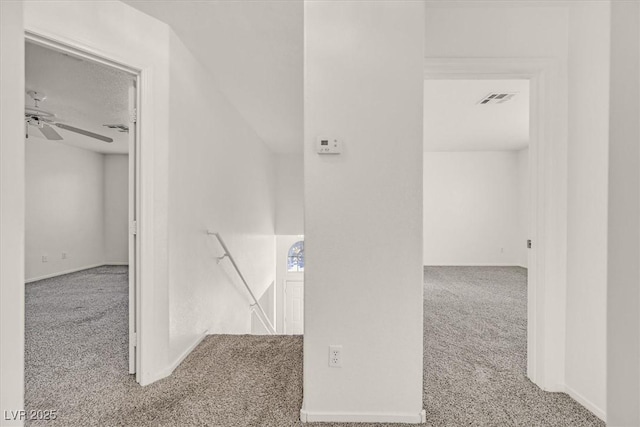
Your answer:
<point x="150" y="379"/>
<point x="184" y="354"/>
<point x="479" y="264"/>
<point x="362" y="417"/>
<point x="62" y="273"/>
<point x="594" y="409"/>
<point x="117" y="263"/>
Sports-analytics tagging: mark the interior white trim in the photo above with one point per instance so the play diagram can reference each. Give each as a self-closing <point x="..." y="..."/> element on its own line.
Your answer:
<point x="73" y="270"/>
<point x="593" y="408"/>
<point x="62" y="273"/>
<point x="547" y="259"/>
<point x="362" y="417"/>
<point x="500" y="3"/>
<point x="71" y="48"/>
<point x="144" y="202"/>
<point x="475" y="264"/>
<point x="182" y="356"/>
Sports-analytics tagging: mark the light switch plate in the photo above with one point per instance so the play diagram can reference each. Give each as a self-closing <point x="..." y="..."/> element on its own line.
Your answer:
<point x="328" y="145"/>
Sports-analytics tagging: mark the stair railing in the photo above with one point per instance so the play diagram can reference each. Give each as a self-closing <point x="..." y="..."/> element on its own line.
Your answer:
<point x="256" y="305"/>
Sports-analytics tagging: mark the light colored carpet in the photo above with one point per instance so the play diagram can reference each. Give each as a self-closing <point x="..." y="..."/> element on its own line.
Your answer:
<point x="475" y="353"/>
<point x="475" y="325"/>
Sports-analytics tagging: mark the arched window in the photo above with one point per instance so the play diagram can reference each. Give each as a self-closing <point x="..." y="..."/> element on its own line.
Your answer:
<point x="295" y="258"/>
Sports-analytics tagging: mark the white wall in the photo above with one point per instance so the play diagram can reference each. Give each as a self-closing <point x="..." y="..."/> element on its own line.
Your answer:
<point x="623" y="293"/>
<point x="523" y="208"/>
<point x="222" y="178"/>
<point x="363" y="82"/>
<point x="471" y="208"/>
<point x="289" y="222"/>
<point x="76" y="203"/>
<point x="116" y="208"/>
<point x="289" y="194"/>
<point x="585" y="371"/>
<point x="64" y="208"/>
<point x="12" y="170"/>
<point x="268" y="303"/>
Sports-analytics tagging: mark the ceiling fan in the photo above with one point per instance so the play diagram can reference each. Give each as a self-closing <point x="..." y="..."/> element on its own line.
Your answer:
<point x="46" y="120"/>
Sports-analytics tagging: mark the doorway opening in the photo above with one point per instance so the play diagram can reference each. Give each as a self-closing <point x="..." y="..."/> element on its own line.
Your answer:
<point x="82" y="204"/>
<point x="475" y="230"/>
<point x="546" y="259"/>
<point x="290" y="259"/>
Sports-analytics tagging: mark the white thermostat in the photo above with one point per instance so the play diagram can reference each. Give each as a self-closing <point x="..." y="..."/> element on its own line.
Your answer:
<point x="329" y="145"/>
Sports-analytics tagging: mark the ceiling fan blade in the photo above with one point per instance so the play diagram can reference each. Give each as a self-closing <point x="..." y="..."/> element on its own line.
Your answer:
<point x="84" y="132"/>
<point x="50" y="133"/>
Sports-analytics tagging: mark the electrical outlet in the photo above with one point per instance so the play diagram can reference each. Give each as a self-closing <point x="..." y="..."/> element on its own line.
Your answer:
<point x="335" y="356"/>
<point x="64" y="255"/>
<point x="45" y="258"/>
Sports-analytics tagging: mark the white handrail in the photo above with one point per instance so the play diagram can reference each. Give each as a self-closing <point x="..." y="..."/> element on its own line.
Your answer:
<point x="265" y="322"/>
<point x="263" y="316"/>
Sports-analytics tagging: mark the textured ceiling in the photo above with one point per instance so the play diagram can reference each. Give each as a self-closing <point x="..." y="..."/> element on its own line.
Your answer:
<point x="82" y="94"/>
<point x="254" y="50"/>
<point x="455" y="121"/>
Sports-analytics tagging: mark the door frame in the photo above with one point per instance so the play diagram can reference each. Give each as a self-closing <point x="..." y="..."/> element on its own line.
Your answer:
<point x="547" y="198"/>
<point x="134" y="208"/>
<point x="134" y="193"/>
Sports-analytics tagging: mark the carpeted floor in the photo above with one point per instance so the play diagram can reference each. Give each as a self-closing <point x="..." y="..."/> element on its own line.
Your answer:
<point x="475" y="353"/>
<point x="475" y="343"/>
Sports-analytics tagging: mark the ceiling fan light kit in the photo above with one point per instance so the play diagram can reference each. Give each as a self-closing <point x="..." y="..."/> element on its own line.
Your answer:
<point x="45" y="120"/>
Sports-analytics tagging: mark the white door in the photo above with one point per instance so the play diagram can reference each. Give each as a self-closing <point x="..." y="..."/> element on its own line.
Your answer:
<point x="294" y="307"/>
<point x="133" y="227"/>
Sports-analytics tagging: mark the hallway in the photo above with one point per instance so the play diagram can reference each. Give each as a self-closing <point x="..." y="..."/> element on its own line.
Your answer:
<point x="475" y="325"/>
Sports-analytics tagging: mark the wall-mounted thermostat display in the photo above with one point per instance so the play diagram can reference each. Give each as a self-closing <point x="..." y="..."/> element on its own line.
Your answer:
<point x="329" y="145"/>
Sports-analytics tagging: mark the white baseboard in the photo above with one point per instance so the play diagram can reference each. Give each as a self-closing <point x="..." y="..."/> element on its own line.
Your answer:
<point x="184" y="355"/>
<point x="370" y="417"/>
<point x="476" y="264"/>
<point x="73" y="270"/>
<point x="594" y="409"/>
<point x="553" y="388"/>
<point x="62" y="273"/>
<point x="151" y="378"/>
<point x="116" y="263"/>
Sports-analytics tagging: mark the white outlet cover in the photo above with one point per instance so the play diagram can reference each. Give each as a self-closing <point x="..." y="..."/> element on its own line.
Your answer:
<point x="335" y="356"/>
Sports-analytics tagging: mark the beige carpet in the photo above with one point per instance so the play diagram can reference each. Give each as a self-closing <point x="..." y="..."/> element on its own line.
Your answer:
<point x="475" y="324"/>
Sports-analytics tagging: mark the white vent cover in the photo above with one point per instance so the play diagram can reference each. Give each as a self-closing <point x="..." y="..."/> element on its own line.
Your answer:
<point x="497" y="98"/>
<point x="118" y="127"/>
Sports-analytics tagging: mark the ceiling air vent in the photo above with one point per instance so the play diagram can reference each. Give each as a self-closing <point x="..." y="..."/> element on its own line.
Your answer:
<point x="497" y="98"/>
<point x="118" y="127"/>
